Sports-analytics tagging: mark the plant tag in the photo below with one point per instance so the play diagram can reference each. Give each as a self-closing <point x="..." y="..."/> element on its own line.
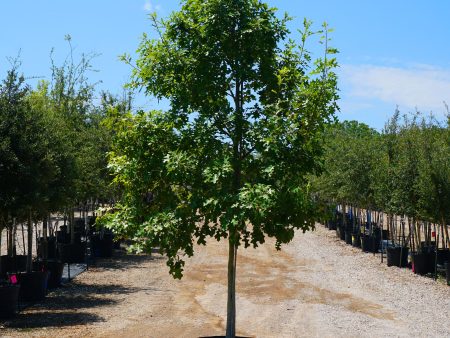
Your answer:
<point x="13" y="279"/>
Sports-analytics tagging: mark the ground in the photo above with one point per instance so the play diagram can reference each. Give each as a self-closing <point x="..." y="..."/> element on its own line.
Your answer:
<point x="315" y="287"/>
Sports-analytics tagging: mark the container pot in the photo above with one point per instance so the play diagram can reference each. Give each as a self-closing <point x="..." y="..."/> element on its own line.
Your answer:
<point x="340" y="233"/>
<point x="423" y="262"/>
<point x="72" y="253"/>
<point x="33" y="285"/>
<point x="103" y="245"/>
<point x="9" y="295"/>
<point x="356" y="240"/>
<point x="442" y="256"/>
<point x="55" y="269"/>
<point x="49" y="247"/>
<point x="62" y="237"/>
<point x="397" y="256"/>
<point x="447" y="272"/>
<point x="331" y="224"/>
<point x="348" y="237"/>
<point x="13" y="264"/>
<point x="370" y="243"/>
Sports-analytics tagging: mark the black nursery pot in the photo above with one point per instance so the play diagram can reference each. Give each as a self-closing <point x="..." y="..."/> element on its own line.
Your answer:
<point x="370" y="243"/>
<point x="331" y="225"/>
<point x="397" y="256"/>
<point x="447" y="272"/>
<point x="13" y="264"/>
<point x="442" y="256"/>
<point x="9" y="296"/>
<point x="356" y="240"/>
<point x="103" y="246"/>
<point x="340" y="232"/>
<point x="50" y="247"/>
<point x="423" y="262"/>
<point x="33" y="285"/>
<point x="72" y="253"/>
<point x="55" y="269"/>
<point x="348" y="237"/>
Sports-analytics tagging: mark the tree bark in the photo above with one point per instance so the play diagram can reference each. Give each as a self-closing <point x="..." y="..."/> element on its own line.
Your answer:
<point x="231" y="300"/>
<point x="30" y="243"/>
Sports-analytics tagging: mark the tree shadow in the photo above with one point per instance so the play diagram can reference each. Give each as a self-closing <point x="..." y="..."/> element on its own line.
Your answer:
<point x="49" y="319"/>
<point x="122" y="261"/>
<point x="64" y="306"/>
<point x="67" y="306"/>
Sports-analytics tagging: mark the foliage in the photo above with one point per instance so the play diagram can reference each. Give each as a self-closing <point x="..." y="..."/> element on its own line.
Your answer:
<point x="349" y="160"/>
<point x="404" y="171"/>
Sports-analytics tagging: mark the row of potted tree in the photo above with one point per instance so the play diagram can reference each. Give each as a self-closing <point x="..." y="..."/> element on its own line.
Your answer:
<point x="53" y="145"/>
<point x="404" y="174"/>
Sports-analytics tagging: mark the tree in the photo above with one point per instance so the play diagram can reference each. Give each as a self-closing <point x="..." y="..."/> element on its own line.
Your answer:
<point x="433" y="183"/>
<point x="28" y="167"/>
<point x="230" y="157"/>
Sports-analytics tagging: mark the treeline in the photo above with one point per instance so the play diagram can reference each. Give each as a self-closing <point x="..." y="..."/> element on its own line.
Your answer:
<point x="53" y="142"/>
<point x="404" y="171"/>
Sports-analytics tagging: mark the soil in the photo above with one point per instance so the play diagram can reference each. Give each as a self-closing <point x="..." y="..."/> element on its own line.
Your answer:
<point x="315" y="287"/>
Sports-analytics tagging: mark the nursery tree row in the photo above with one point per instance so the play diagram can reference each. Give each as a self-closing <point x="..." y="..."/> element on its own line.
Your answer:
<point x="404" y="170"/>
<point x="53" y="142"/>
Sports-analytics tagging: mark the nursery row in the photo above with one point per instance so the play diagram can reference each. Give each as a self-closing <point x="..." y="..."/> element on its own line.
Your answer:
<point x="394" y="238"/>
<point x="53" y="144"/>
<point x="404" y="171"/>
<point x="27" y="277"/>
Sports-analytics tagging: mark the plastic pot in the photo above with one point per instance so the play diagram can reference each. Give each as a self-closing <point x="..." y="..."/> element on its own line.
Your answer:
<point x="397" y="256"/>
<point x="331" y="224"/>
<point x="72" y="253"/>
<point x="340" y="233"/>
<point x="55" y="269"/>
<point x="423" y="262"/>
<point x="356" y="240"/>
<point x="33" y="285"/>
<point x="348" y="237"/>
<point x="370" y="243"/>
<point x="447" y="272"/>
<point x="16" y="263"/>
<point x="442" y="256"/>
<point x="9" y="295"/>
<point x="103" y="246"/>
<point x="50" y="247"/>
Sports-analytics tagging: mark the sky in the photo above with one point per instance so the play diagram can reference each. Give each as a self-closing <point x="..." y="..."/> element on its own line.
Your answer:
<point x="391" y="53"/>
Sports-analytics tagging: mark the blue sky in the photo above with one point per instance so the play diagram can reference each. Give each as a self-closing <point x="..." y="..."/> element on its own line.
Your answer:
<point x="391" y="52"/>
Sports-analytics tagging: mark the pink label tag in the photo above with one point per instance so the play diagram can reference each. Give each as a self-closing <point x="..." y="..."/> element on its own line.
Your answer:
<point x="13" y="279"/>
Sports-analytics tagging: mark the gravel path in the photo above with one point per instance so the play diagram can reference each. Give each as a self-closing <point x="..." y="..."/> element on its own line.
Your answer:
<point x="315" y="287"/>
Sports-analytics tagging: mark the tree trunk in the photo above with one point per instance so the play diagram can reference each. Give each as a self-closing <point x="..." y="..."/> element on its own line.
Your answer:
<point x="444" y="233"/>
<point x="231" y="300"/>
<point x="72" y="226"/>
<point x="30" y="243"/>
<point x="233" y="232"/>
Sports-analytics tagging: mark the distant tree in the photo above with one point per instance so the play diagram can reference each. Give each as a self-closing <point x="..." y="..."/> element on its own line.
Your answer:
<point x="230" y="157"/>
<point x="433" y="183"/>
<point x="71" y="95"/>
<point x="349" y="160"/>
<point x="27" y="166"/>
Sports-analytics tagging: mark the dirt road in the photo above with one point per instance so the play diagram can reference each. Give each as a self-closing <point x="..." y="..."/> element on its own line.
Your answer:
<point x="315" y="287"/>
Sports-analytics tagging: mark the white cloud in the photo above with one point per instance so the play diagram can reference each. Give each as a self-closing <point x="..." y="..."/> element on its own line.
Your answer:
<point x="150" y="7"/>
<point x="418" y="86"/>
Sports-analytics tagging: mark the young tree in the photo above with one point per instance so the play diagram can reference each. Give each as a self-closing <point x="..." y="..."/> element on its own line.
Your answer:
<point x="230" y="157"/>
